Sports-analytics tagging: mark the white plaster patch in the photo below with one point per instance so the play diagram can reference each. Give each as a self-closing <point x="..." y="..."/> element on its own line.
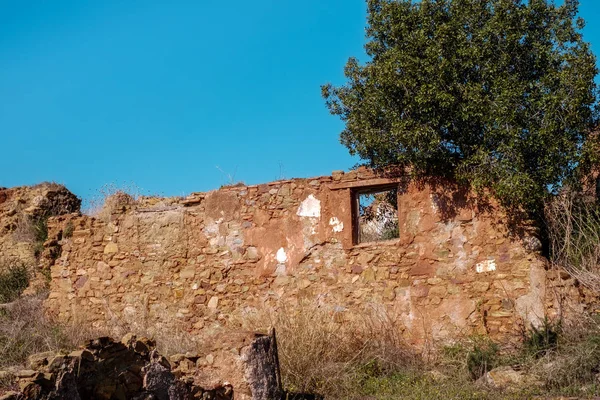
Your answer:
<point x="486" y="266"/>
<point x="310" y="207"/>
<point x="281" y="256"/>
<point x="336" y="224"/>
<point x="434" y="203"/>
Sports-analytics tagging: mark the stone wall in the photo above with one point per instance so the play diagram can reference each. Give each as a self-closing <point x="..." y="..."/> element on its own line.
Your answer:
<point x="196" y="261"/>
<point x="21" y="208"/>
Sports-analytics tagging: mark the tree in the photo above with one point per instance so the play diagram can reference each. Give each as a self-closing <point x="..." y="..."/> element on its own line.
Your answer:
<point x="496" y="93"/>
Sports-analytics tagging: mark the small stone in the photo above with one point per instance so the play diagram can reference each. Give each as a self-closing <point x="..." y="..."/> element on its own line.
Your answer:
<point x="481" y="286"/>
<point x="25" y="373"/>
<point x="111" y="248"/>
<point x="357" y="269"/>
<point x="503" y="378"/>
<point x="213" y="303"/>
<point x="35" y="361"/>
<point x="210" y="359"/>
<point x="437" y="291"/>
<point x="187" y="273"/>
<point x="177" y="358"/>
<point x="368" y="275"/>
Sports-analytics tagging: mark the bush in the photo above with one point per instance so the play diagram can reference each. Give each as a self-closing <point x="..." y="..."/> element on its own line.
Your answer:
<point x="539" y="341"/>
<point x="69" y="229"/>
<point x="13" y="281"/>
<point x="482" y="358"/>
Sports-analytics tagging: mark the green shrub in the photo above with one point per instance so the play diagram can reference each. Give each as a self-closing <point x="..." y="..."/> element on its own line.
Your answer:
<point x="13" y="281"/>
<point x="68" y="231"/>
<point x="482" y="358"/>
<point x="40" y="230"/>
<point x="540" y="340"/>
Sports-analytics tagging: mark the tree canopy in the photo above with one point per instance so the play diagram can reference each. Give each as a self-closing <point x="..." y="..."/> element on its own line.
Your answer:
<point x="497" y="93"/>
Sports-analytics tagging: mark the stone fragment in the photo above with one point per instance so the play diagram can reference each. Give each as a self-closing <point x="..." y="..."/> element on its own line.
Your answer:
<point x="213" y="303"/>
<point x="480" y="287"/>
<point x="38" y="360"/>
<point x="25" y="373"/>
<point x="188" y="273"/>
<point x="503" y="378"/>
<point x="368" y="275"/>
<point x="111" y="248"/>
<point x="177" y="358"/>
<point x="252" y="253"/>
<point x="357" y="269"/>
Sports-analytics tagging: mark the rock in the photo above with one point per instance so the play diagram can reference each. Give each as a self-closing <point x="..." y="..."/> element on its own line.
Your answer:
<point x="111" y="248"/>
<point x="503" y="378"/>
<point x="437" y="376"/>
<point x="82" y="354"/>
<point x="252" y="253"/>
<point x="157" y="380"/>
<point x="213" y="303"/>
<point x="25" y="373"/>
<point x="35" y="361"/>
<point x="177" y="358"/>
<point x="133" y="369"/>
<point x="532" y="243"/>
<point x="6" y="375"/>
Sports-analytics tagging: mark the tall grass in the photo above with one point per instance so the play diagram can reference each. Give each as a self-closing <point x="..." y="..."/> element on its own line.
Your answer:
<point x="321" y="352"/>
<point x="573" y="222"/>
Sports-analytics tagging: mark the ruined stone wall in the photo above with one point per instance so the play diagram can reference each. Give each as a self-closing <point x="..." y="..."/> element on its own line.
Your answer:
<point x="21" y="208"/>
<point x="455" y="270"/>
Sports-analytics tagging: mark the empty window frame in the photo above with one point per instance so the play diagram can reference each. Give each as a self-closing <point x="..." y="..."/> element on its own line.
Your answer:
<point x="375" y="214"/>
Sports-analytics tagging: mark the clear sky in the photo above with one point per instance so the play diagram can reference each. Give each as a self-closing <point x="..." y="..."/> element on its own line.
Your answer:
<point x="174" y="96"/>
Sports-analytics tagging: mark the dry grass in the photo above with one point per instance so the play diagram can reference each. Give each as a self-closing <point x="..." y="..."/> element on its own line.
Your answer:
<point x="574" y="363"/>
<point x="110" y="198"/>
<point x="25" y="330"/>
<point x="172" y="340"/>
<point x="573" y="222"/>
<point x="171" y="335"/>
<point x="322" y="352"/>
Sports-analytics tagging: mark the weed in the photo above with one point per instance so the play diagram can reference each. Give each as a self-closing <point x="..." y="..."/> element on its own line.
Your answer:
<point x="68" y="231"/>
<point x="14" y="279"/>
<point x="540" y="340"/>
<point x="482" y="358"/>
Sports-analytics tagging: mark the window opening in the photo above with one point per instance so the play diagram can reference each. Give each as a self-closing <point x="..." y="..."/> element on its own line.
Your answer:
<point x="376" y="215"/>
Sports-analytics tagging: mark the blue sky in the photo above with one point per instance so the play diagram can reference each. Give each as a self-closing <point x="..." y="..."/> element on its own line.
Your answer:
<point x="174" y="96"/>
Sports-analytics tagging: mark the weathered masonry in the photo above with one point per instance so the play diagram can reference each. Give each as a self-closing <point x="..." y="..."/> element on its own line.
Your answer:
<point x="441" y="261"/>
